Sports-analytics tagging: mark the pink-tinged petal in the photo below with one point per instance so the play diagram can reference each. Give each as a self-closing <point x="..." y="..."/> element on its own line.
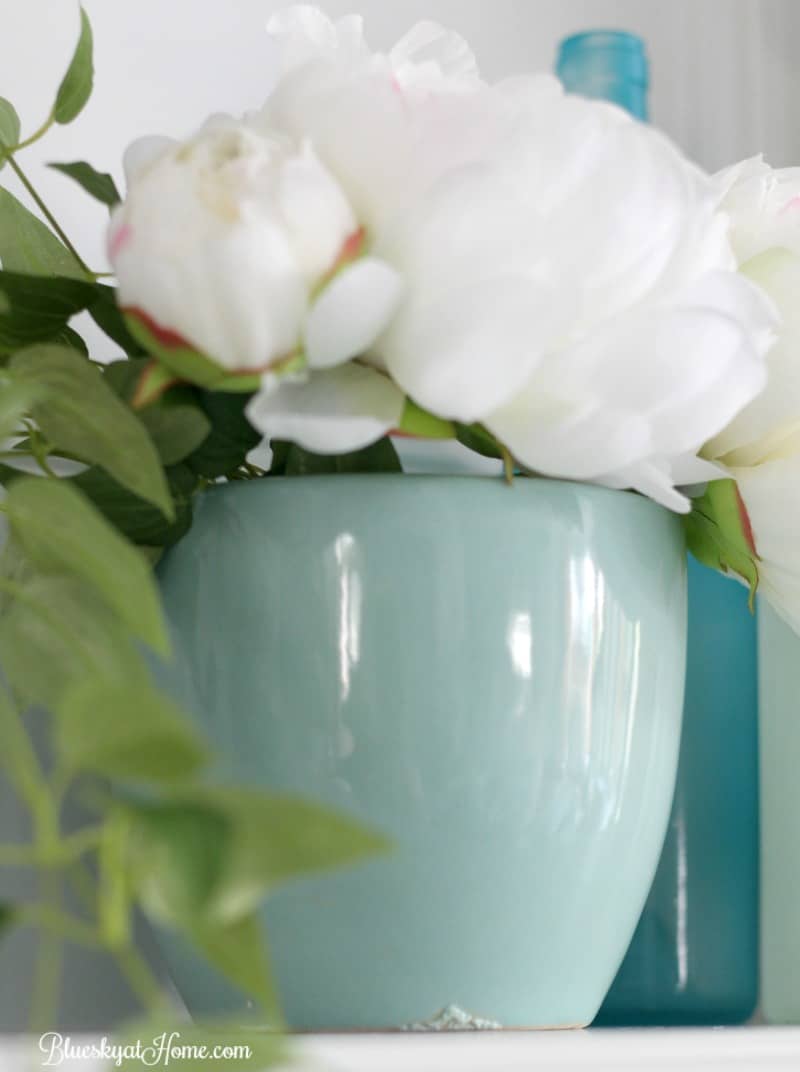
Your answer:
<point x="166" y="337"/>
<point x="119" y="237"/>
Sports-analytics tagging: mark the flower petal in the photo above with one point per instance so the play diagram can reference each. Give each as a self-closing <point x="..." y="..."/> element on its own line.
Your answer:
<point x="650" y="387"/>
<point x="653" y="479"/>
<point x="305" y="33"/>
<point x="467" y="351"/>
<point x="261" y="456"/>
<point x="143" y="152"/>
<point x="774" y="511"/>
<point x="432" y="55"/>
<point x="334" y="412"/>
<point x="351" y="312"/>
<point x="750" y="437"/>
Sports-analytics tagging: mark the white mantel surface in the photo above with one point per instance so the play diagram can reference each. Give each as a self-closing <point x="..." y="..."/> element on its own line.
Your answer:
<point x="750" y="1049"/>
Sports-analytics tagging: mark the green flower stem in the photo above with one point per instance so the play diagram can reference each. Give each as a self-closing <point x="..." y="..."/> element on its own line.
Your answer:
<point x="37" y="134"/>
<point x="65" y="852"/>
<point x="39" y="448"/>
<point x="19" y="856"/>
<point x="20" y="760"/>
<point x="508" y="465"/>
<point x="45" y="211"/>
<point x="26" y="774"/>
<point x="141" y="979"/>
<point x="49" y="962"/>
<point x="49" y="918"/>
<point x="82" y="881"/>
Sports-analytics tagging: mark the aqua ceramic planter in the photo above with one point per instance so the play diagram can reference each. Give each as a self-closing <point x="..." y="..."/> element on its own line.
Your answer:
<point x="493" y="676"/>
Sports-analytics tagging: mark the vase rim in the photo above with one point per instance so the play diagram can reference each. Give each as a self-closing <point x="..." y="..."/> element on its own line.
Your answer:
<point x="529" y="483"/>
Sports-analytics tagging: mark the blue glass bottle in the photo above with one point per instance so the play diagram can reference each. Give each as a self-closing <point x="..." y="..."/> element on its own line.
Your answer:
<point x="606" y="65"/>
<point x="694" y="957"/>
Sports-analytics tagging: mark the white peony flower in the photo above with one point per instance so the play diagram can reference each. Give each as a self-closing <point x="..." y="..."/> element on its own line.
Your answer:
<point x="760" y="447"/>
<point x="225" y="244"/>
<point x="567" y="279"/>
<point x="392" y="227"/>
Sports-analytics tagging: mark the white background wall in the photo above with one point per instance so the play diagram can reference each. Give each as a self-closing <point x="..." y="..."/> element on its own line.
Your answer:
<point x="724" y="81"/>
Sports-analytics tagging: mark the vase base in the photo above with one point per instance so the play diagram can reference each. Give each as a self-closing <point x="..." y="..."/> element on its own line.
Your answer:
<point x="452" y="1018"/>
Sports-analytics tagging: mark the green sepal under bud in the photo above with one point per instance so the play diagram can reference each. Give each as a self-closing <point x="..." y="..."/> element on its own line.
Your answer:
<point x="719" y="534"/>
<point x="185" y="363"/>
<point x="418" y="422"/>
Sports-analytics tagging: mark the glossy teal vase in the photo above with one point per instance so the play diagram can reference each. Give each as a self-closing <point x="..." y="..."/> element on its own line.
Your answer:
<point x="694" y="957"/>
<point x="493" y="676"/>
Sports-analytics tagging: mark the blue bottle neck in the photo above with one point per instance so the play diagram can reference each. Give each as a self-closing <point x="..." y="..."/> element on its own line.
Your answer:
<point x="606" y="65"/>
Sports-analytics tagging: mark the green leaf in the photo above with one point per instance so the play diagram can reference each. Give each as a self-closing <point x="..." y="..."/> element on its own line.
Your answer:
<point x="114" y="898"/>
<point x="9" y="127"/>
<point x="105" y="313"/>
<point x="276" y="838"/>
<point x="36" y="308"/>
<point x="212" y="854"/>
<point x="17" y="400"/>
<point x="132" y="734"/>
<point x="178" y="854"/>
<point x="83" y="417"/>
<point x="76" y="86"/>
<point x="61" y="532"/>
<point x="718" y="533"/>
<point x="68" y="337"/>
<point x="29" y="247"/>
<point x="419" y="422"/>
<point x="141" y="522"/>
<point x="238" y="951"/>
<point x="141" y="1043"/>
<point x="177" y="428"/>
<point x="58" y="633"/>
<point x="97" y="183"/>
<point x="476" y="437"/>
<point x="176" y="422"/>
<point x="231" y="438"/>
<point x="291" y="460"/>
<point x="8" y="914"/>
